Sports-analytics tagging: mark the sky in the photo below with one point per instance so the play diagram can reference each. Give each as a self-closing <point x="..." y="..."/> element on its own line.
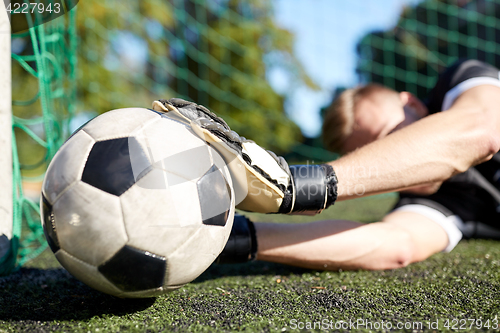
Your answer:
<point x="326" y="33"/>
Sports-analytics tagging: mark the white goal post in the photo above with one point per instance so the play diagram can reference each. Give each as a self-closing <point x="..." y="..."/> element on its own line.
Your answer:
<point x="6" y="195"/>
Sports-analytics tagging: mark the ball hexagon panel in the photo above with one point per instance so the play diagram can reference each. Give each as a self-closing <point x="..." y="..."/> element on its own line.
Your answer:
<point x="214" y="194"/>
<point x="219" y="238"/>
<point x="115" y="165"/>
<point x="184" y="195"/>
<point x="120" y="123"/>
<point x="221" y="164"/>
<point x="172" y="146"/>
<point x="156" y="226"/>
<point x="134" y="270"/>
<point x="193" y="257"/>
<point x="87" y="273"/>
<point x="89" y="223"/>
<point x="48" y="223"/>
<point x="67" y="165"/>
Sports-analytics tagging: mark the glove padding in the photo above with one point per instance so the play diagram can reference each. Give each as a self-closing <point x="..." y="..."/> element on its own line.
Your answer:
<point x="263" y="182"/>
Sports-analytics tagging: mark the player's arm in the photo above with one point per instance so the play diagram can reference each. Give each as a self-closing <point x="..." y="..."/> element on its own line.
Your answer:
<point x="430" y="150"/>
<point x="425" y="189"/>
<point x="401" y="238"/>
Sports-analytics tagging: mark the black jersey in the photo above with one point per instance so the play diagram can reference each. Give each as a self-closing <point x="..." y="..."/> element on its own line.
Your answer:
<point x="475" y="194"/>
<point x="459" y="72"/>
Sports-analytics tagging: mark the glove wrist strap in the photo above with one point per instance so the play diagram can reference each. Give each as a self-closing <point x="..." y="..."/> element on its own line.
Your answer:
<point x="315" y="187"/>
<point x="331" y="182"/>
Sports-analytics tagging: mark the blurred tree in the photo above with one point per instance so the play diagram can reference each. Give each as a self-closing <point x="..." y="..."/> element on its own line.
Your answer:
<point x="428" y="38"/>
<point x="211" y="52"/>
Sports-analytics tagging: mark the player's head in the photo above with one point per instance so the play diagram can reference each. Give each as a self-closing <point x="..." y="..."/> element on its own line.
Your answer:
<point x="364" y="114"/>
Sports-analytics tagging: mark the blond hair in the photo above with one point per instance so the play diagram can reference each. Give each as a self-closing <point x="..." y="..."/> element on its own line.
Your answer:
<point x="339" y="120"/>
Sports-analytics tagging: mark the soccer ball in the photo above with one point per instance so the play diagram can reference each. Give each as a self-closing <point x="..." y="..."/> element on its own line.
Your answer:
<point x="135" y="204"/>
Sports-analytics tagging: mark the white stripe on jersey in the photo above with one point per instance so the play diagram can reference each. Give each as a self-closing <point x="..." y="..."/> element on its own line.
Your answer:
<point x="451" y="224"/>
<point x="460" y="88"/>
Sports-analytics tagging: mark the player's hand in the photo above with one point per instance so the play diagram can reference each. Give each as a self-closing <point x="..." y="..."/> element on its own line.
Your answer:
<point x="263" y="182"/>
<point x="241" y="245"/>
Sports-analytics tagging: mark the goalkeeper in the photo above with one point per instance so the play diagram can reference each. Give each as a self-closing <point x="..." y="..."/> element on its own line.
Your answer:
<point x="425" y="148"/>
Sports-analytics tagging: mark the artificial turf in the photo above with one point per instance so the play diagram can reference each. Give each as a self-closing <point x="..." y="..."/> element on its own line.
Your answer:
<point x="462" y="285"/>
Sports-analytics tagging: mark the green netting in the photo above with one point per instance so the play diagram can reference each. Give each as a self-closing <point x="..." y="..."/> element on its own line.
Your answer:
<point x="428" y="38"/>
<point x="43" y="95"/>
<point x="130" y="53"/>
<point x="215" y="53"/>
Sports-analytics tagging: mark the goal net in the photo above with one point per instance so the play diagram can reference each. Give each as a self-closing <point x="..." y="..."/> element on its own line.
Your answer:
<point x="130" y="53"/>
<point x="429" y="37"/>
<point x="35" y="114"/>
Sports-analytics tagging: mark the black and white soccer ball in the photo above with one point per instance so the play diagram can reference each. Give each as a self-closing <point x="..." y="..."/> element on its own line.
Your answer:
<point x="135" y="204"/>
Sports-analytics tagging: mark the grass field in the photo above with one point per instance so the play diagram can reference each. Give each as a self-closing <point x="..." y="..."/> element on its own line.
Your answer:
<point x="263" y="297"/>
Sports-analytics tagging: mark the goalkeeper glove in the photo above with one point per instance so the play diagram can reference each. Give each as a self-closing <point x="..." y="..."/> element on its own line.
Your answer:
<point x="263" y="182"/>
<point x="242" y="243"/>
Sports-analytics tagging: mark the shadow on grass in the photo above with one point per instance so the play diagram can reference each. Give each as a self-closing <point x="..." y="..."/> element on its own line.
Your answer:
<point x="249" y="269"/>
<point x="53" y="294"/>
